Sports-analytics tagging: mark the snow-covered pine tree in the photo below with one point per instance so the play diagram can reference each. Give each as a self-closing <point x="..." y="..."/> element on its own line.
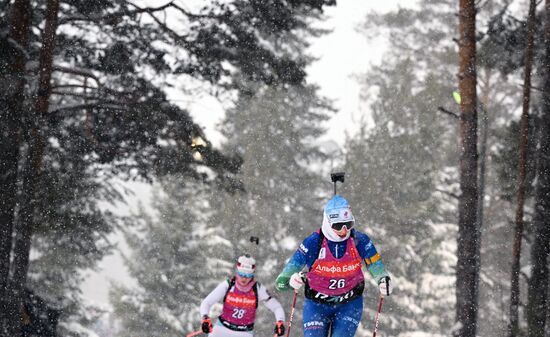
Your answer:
<point x="423" y="37"/>
<point x="274" y="131"/>
<point x="393" y="169"/>
<point x="177" y="256"/>
<point x="272" y="128"/>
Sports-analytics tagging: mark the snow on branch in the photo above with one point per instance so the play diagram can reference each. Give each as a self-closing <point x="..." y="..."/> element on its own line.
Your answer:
<point x="77" y="71"/>
<point x="191" y="15"/>
<point x="451" y="194"/>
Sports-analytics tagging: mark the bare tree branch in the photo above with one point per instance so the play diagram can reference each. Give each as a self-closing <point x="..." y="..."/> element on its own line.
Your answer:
<point x="534" y="88"/>
<point x="451" y="194"/>
<point x="116" y="15"/>
<point x="74" y="94"/>
<point x="74" y="107"/>
<point x="77" y="71"/>
<point x="452" y="114"/>
<point x="164" y="27"/>
<point x="75" y="86"/>
<point x="191" y="15"/>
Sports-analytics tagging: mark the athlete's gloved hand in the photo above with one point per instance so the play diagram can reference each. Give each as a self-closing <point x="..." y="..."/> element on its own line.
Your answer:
<point x="280" y="328"/>
<point x="297" y="280"/>
<point x="281" y="283"/>
<point x="206" y="324"/>
<point x="385" y="286"/>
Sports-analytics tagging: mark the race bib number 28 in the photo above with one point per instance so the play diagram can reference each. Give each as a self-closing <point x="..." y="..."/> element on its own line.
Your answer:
<point x="238" y="313"/>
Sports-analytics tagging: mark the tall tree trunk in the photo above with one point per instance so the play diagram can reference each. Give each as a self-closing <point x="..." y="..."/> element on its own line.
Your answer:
<point x="468" y="241"/>
<point x="11" y="110"/>
<point x="540" y="249"/>
<point x="35" y="137"/>
<point x="513" y="324"/>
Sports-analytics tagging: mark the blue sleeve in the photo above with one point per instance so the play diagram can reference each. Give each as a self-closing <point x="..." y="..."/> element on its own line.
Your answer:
<point x="364" y="245"/>
<point x="372" y="259"/>
<point x="304" y="255"/>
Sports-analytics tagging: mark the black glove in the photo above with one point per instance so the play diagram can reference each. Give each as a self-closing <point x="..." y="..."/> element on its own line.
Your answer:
<point x="206" y="324"/>
<point x="385" y="286"/>
<point x="280" y="328"/>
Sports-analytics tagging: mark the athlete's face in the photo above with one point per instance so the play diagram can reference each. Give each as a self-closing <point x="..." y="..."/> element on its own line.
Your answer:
<point x="243" y="281"/>
<point x="342" y="232"/>
<point x="342" y="228"/>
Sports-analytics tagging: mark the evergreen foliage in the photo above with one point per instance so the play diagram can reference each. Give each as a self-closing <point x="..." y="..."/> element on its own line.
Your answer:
<point x="409" y="158"/>
<point x="272" y="131"/>
<point x="110" y="120"/>
<point x="109" y="116"/>
<point x="177" y="257"/>
<point x="394" y="169"/>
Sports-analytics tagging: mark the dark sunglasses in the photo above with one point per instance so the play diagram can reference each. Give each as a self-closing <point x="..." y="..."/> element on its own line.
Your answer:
<point x="339" y="225"/>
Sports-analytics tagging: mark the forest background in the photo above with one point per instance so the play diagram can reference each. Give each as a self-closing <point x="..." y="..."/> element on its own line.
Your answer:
<point x="88" y="105"/>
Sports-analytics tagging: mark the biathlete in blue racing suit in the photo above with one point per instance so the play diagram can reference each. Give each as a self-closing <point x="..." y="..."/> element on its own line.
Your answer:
<point x="334" y="282"/>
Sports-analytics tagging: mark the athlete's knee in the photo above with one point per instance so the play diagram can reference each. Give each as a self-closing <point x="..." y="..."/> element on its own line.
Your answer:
<point x="351" y="321"/>
<point x="346" y="326"/>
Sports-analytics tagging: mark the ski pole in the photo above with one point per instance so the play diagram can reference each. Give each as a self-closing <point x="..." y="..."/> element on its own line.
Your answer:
<point x="194" y="333"/>
<point x="378" y="316"/>
<point x="291" y="313"/>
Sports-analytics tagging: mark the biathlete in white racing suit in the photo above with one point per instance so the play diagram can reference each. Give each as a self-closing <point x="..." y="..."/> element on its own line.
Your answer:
<point x="240" y="296"/>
